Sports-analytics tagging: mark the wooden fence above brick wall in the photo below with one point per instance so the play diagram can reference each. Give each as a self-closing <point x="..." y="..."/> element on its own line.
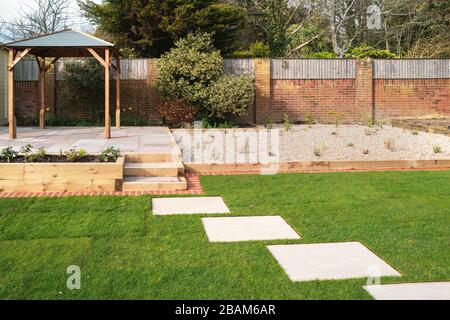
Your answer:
<point x="312" y="69"/>
<point x="411" y="69"/>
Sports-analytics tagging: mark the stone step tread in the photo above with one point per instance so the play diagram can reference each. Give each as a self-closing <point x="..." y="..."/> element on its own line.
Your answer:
<point x="134" y="179"/>
<point x="153" y="165"/>
<point x="154" y="184"/>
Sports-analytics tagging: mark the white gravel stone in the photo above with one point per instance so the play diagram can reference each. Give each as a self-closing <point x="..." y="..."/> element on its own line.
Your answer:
<point x="347" y="142"/>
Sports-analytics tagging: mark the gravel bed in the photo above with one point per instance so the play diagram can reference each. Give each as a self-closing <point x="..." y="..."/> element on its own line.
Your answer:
<point x="352" y="142"/>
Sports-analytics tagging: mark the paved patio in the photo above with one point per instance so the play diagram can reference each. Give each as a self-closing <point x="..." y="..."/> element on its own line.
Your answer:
<point x="127" y="139"/>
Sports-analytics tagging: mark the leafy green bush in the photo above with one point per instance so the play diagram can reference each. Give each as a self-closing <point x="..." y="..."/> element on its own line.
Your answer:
<point x="190" y="79"/>
<point x="259" y="50"/>
<point x="87" y="79"/>
<point x="9" y="154"/>
<point x="110" y="154"/>
<point x="230" y="97"/>
<point x="322" y="55"/>
<point x="208" y="124"/>
<point x="365" y="51"/>
<point x="73" y="154"/>
<point x="186" y="71"/>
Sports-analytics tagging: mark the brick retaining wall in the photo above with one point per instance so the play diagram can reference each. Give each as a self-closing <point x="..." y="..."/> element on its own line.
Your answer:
<point x="349" y="100"/>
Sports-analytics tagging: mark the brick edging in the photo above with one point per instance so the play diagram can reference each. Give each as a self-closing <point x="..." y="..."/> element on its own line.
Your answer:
<point x="193" y="183"/>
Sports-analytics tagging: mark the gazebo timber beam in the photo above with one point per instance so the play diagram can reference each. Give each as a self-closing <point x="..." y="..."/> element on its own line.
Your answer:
<point x="98" y="57"/>
<point x="17" y="58"/>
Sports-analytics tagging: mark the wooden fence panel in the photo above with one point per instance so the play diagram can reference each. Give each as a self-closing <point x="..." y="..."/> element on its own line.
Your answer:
<point x="26" y="70"/>
<point x="412" y="69"/>
<point x="237" y="67"/>
<point x="313" y="69"/>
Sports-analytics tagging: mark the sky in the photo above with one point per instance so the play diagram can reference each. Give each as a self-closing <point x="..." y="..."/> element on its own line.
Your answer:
<point x="9" y="8"/>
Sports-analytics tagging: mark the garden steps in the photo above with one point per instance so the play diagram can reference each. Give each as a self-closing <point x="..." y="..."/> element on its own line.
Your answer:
<point x="131" y="183"/>
<point x="154" y="169"/>
<point x="151" y="157"/>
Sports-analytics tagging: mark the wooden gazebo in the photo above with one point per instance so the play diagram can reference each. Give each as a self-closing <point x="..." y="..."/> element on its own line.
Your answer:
<point x="67" y="43"/>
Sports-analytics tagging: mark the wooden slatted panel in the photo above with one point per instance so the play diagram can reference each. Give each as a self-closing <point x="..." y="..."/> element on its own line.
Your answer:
<point x="313" y="69"/>
<point x="412" y="69"/>
<point x="26" y="70"/>
<point x="237" y="67"/>
<point x="132" y="69"/>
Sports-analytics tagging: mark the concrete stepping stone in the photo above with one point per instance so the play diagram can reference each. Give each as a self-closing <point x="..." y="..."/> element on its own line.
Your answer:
<point x="234" y="229"/>
<point x="329" y="261"/>
<point x="411" y="291"/>
<point x="196" y="205"/>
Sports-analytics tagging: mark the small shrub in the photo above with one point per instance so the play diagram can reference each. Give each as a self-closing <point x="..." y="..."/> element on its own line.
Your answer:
<point x="415" y="133"/>
<point x="229" y="97"/>
<point x="317" y="152"/>
<point x="287" y="122"/>
<point x="177" y="113"/>
<point x="37" y="156"/>
<point x="350" y="145"/>
<point x="26" y="151"/>
<point x="9" y="154"/>
<point x="365" y="51"/>
<point x="71" y="155"/>
<point x="437" y="149"/>
<point x="322" y="55"/>
<point x="269" y="124"/>
<point x="207" y="124"/>
<point x="82" y="153"/>
<point x="309" y="118"/>
<point x="390" y="144"/>
<point x="259" y="49"/>
<point x="110" y="154"/>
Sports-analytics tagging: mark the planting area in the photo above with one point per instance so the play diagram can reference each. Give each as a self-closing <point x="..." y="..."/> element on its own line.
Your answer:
<point x="126" y="252"/>
<point x="311" y="143"/>
<point x="351" y="142"/>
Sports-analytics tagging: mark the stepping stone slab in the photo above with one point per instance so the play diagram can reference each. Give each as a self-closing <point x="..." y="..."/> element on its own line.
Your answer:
<point x="197" y="205"/>
<point x="329" y="261"/>
<point x="411" y="291"/>
<point x="233" y="229"/>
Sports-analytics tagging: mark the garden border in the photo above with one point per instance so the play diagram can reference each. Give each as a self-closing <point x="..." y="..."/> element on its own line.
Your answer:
<point x="317" y="166"/>
<point x="62" y="177"/>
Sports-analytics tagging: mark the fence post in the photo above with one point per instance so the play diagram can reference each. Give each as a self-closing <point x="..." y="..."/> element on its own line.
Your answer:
<point x="262" y="91"/>
<point x="364" y="100"/>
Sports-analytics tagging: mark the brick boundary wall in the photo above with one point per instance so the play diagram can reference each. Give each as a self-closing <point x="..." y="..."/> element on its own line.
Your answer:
<point x="354" y="101"/>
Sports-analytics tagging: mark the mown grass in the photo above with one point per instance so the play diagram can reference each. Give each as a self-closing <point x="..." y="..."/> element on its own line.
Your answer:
<point x="126" y="253"/>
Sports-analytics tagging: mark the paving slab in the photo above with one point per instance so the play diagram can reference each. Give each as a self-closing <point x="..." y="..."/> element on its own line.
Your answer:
<point x="411" y="291"/>
<point x="233" y="229"/>
<point x="330" y="261"/>
<point x="196" y="205"/>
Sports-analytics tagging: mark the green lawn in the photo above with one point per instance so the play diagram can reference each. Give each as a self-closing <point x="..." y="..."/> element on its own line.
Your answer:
<point x="126" y="253"/>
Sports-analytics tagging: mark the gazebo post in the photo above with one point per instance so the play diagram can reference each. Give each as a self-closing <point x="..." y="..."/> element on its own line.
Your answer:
<point x="12" y="122"/>
<point x="107" y="80"/>
<point x="118" y="92"/>
<point x="41" y="64"/>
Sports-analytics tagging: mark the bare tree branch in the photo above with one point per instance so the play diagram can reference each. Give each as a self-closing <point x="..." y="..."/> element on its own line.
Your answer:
<point x="37" y="18"/>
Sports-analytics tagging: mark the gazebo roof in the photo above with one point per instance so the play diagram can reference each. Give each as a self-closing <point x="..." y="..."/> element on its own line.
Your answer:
<point x="66" y="43"/>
